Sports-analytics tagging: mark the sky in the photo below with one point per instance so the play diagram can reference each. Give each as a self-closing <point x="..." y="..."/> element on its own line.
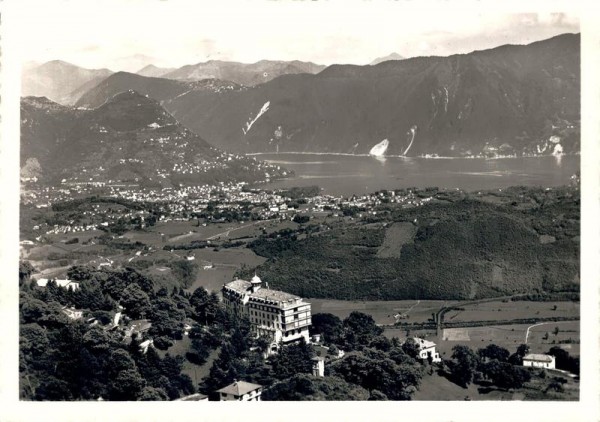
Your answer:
<point x="128" y="34"/>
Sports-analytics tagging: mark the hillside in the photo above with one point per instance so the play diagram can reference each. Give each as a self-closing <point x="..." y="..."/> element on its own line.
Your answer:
<point x="242" y="73"/>
<point x="160" y="89"/>
<point x="510" y="100"/>
<point x="130" y="138"/>
<point x="461" y="250"/>
<point x="60" y="81"/>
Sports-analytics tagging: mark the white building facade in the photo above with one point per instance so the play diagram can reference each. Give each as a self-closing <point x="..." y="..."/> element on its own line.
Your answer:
<point x="281" y="317"/>
<point x="427" y="350"/>
<point x="539" y="361"/>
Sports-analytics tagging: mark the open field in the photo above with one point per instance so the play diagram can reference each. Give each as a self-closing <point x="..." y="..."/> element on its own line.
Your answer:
<point x="499" y="310"/>
<point x="382" y="311"/>
<point x="396" y="236"/>
<point x="213" y="279"/>
<point x="507" y="336"/>
<point x="195" y="372"/>
<point x="180" y="234"/>
<point x="228" y="257"/>
<point x="436" y="387"/>
<point x="173" y="228"/>
<point x="82" y="236"/>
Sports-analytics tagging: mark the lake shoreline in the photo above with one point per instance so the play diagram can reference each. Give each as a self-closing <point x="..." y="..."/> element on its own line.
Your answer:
<point x="344" y="154"/>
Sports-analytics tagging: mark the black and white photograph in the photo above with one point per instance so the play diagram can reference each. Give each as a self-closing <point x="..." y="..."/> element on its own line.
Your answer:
<point x="286" y="201"/>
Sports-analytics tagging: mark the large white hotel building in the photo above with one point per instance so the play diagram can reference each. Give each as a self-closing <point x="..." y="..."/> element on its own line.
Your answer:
<point x="279" y="316"/>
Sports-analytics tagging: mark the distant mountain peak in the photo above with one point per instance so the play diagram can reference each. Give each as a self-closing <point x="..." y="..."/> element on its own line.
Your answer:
<point x="392" y="56"/>
<point x="154" y="71"/>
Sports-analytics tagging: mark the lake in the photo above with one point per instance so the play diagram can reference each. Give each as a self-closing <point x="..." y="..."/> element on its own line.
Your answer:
<point x="352" y="174"/>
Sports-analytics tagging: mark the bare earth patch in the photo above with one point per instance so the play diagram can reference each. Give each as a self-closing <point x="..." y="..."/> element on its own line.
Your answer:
<point x="397" y="235"/>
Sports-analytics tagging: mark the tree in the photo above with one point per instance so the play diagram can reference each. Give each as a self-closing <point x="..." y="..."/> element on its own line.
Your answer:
<point x="374" y="371"/>
<point x="135" y="301"/>
<point x="328" y="325"/>
<point x="360" y="329"/>
<point x="33" y="340"/>
<point x="381" y="343"/>
<point x="127" y="385"/>
<point x="564" y="360"/>
<point x="307" y="387"/>
<point x="517" y="357"/>
<point x="491" y="351"/>
<point x="465" y="362"/>
<point x="505" y="375"/>
<point x="224" y="370"/>
<point x="205" y="306"/>
<point x="293" y="359"/>
<point x="153" y="394"/>
<point x="53" y="389"/>
<point x="411" y="348"/>
<point x="118" y="361"/>
<point x="25" y="271"/>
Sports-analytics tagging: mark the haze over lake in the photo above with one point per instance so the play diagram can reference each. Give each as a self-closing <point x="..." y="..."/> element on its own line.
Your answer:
<point x="351" y="174"/>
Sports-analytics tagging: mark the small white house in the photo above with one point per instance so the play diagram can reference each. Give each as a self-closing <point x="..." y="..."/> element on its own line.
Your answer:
<point x="145" y="345"/>
<point x="66" y="283"/>
<point x="318" y="368"/>
<point x="73" y="313"/>
<point x="427" y="350"/>
<point x="240" y="391"/>
<point x="539" y="361"/>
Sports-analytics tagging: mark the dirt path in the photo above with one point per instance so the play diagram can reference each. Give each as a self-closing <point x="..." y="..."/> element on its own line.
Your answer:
<point x="541" y="323"/>
<point x="227" y="232"/>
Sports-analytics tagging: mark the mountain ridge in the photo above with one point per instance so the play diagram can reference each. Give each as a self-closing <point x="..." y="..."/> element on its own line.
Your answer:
<point x="511" y="100"/>
<point x="130" y="138"/>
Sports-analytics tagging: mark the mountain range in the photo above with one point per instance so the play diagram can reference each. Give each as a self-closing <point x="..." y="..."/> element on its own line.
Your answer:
<point x="129" y="139"/>
<point x="242" y="73"/>
<point x="509" y="100"/>
<point x="65" y="83"/>
<point x="60" y="81"/>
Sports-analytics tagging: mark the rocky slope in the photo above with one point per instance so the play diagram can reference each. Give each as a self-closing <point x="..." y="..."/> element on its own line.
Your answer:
<point x="130" y="138"/>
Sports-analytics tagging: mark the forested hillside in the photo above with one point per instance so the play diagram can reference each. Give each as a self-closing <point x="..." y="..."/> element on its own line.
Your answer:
<point x="464" y="249"/>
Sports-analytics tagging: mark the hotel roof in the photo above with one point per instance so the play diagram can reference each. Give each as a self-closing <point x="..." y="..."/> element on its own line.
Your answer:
<point x="276" y="295"/>
<point x="244" y="286"/>
<point x="241" y="285"/>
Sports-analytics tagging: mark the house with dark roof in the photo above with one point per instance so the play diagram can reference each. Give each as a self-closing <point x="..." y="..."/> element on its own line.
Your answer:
<point x="240" y="391"/>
